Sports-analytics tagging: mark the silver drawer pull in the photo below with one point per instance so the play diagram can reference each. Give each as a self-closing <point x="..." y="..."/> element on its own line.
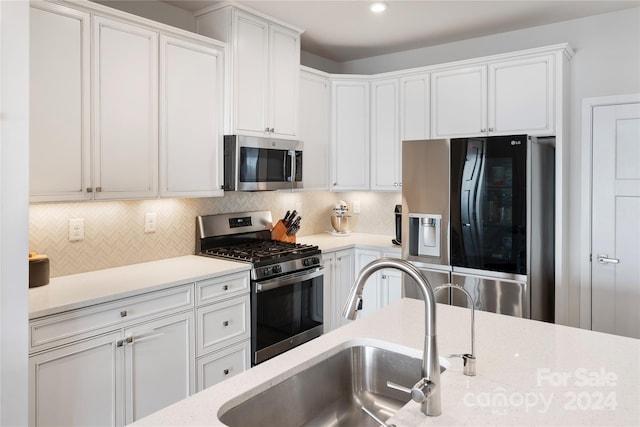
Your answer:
<point x="225" y="288"/>
<point x="604" y="259"/>
<point x="123" y="313"/>
<point x="225" y="323"/>
<point x="226" y="372"/>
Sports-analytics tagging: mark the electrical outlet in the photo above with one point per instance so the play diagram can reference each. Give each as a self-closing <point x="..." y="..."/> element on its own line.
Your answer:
<point x="150" y="222"/>
<point x="76" y="229"/>
<point x="356" y="206"/>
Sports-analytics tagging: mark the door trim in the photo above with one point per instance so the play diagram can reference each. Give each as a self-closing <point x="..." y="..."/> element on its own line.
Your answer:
<point x="588" y="105"/>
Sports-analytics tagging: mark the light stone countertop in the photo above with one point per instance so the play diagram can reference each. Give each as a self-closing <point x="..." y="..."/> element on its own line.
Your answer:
<point x="95" y="287"/>
<point x="329" y="242"/>
<point x="528" y="372"/>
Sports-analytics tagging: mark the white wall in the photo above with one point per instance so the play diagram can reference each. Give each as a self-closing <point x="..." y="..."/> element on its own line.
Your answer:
<point x="155" y="10"/>
<point x="14" y="167"/>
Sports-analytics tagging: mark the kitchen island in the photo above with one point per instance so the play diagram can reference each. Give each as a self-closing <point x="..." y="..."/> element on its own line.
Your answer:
<point x="528" y="372"/>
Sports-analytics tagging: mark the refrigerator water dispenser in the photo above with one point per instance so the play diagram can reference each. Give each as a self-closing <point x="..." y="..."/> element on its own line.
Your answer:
<point x="425" y="234"/>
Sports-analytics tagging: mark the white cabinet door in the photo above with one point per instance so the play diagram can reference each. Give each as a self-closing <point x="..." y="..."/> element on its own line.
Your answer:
<point x="314" y="130"/>
<point x="344" y="277"/>
<point x="371" y="293"/>
<point x="385" y="136"/>
<point x="390" y="287"/>
<point x="459" y="102"/>
<point x="250" y="73"/>
<point x="521" y="96"/>
<point x="190" y="119"/>
<point x="415" y="101"/>
<point x="221" y="365"/>
<point x="125" y="110"/>
<point x="159" y="364"/>
<point x="59" y="119"/>
<point x="329" y="281"/>
<point x="350" y="135"/>
<point x="77" y="385"/>
<point x="284" y="73"/>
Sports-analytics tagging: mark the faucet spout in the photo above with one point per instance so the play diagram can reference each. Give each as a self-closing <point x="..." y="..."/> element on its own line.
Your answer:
<point x="427" y="390"/>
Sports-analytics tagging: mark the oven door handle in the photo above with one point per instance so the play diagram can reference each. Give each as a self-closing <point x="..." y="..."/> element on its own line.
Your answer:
<point x="289" y="280"/>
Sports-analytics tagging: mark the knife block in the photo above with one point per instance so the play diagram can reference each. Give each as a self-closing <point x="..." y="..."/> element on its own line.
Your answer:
<point x="279" y="232"/>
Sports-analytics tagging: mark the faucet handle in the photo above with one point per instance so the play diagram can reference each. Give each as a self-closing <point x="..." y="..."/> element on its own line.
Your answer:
<point x="421" y="391"/>
<point x="469" y="363"/>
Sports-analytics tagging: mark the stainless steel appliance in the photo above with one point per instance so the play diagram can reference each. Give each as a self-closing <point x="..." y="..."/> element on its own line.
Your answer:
<point x="287" y="279"/>
<point x="259" y="164"/>
<point x="480" y="215"/>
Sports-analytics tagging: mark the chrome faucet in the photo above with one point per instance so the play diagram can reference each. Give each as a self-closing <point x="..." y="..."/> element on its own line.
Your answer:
<point x="427" y="390"/>
<point x="468" y="359"/>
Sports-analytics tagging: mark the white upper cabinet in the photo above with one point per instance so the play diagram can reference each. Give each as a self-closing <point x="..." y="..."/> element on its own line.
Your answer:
<point x="191" y="95"/>
<point x="415" y="101"/>
<point x="59" y="118"/>
<point x="459" y="102"/>
<point x="385" y="135"/>
<point x="265" y="66"/>
<point x="506" y="97"/>
<point x="350" y="134"/>
<point x="521" y="96"/>
<point x="125" y="113"/>
<point x="314" y="129"/>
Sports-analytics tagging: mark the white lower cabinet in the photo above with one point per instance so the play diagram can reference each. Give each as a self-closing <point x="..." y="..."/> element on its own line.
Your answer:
<point x="77" y="384"/>
<point x="158" y="364"/>
<point x="223" y="337"/>
<point x="338" y="276"/>
<point x="116" y="378"/>
<point x="223" y="364"/>
<point x="383" y="287"/>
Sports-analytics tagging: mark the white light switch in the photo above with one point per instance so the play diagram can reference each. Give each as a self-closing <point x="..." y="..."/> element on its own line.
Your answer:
<point x="76" y="229"/>
<point x="356" y="206"/>
<point x="150" y="222"/>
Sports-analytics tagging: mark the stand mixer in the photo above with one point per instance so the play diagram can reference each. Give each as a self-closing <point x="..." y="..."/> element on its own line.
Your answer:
<point x="340" y="221"/>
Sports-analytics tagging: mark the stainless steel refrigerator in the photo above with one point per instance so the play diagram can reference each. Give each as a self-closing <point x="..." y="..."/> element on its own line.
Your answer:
<point x="478" y="212"/>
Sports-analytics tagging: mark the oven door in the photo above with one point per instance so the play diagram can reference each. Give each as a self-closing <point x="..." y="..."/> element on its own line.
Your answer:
<point x="285" y="312"/>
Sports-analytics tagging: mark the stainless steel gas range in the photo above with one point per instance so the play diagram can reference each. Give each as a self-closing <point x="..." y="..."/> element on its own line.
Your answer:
<point x="287" y="279"/>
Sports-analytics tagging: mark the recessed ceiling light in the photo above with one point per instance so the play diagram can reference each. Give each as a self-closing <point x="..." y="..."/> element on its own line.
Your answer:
<point x="378" y="7"/>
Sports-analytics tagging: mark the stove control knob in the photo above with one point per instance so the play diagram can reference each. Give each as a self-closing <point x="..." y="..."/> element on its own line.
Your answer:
<point x="267" y="271"/>
<point x="277" y="269"/>
<point x="315" y="260"/>
<point x="306" y="262"/>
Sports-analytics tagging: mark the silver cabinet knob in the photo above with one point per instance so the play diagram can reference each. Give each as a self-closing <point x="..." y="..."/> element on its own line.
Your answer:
<point x="123" y="313"/>
<point x="483" y="130"/>
<point x="89" y="190"/>
<point x="226" y="372"/>
<point x="225" y="323"/>
<point x="225" y="288"/>
<point x="491" y="129"/>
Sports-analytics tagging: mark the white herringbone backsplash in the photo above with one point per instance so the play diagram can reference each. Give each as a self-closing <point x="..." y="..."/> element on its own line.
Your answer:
<point x="114" y="231"/>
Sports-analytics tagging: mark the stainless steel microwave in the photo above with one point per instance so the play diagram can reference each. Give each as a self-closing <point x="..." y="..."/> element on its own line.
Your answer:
<point x="261" y="164"/>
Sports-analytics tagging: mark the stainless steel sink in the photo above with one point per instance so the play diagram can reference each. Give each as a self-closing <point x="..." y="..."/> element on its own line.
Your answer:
<point x="334" y="392"/>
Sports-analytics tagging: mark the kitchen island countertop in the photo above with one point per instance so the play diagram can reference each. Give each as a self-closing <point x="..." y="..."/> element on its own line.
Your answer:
<point x="528" y="372"/>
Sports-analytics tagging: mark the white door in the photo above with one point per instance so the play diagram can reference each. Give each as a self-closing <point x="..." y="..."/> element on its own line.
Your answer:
<point x="615" y="266"/>
<point x="459" y="102"/>
<point x="159" y="367"/>
<point x="350" y="141"/>
<point x="344" y="277"/>
<point x="385" y="136"/>
<point x="77" y="385"/>
<point x="125" y="110"/>
<point x="190" y="119"/>
<point x="315" y="107"/>
<point x="371" y="292"/>
<point x="251" y="71"/>
<point x="284" y="73"/>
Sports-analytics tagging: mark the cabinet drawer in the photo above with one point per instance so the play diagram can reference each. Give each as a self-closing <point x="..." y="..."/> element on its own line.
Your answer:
<point x="82" y="323"/>
<point x="221" y="323"/>
<point x="220" y="365"/>
<point x="220" y="288"/>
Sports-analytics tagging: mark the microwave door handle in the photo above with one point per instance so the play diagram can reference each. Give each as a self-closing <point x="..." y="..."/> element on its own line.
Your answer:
<point x="291" y="159"/>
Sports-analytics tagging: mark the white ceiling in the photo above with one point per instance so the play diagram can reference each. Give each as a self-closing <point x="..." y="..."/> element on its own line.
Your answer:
<point x="346" y="30"/>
